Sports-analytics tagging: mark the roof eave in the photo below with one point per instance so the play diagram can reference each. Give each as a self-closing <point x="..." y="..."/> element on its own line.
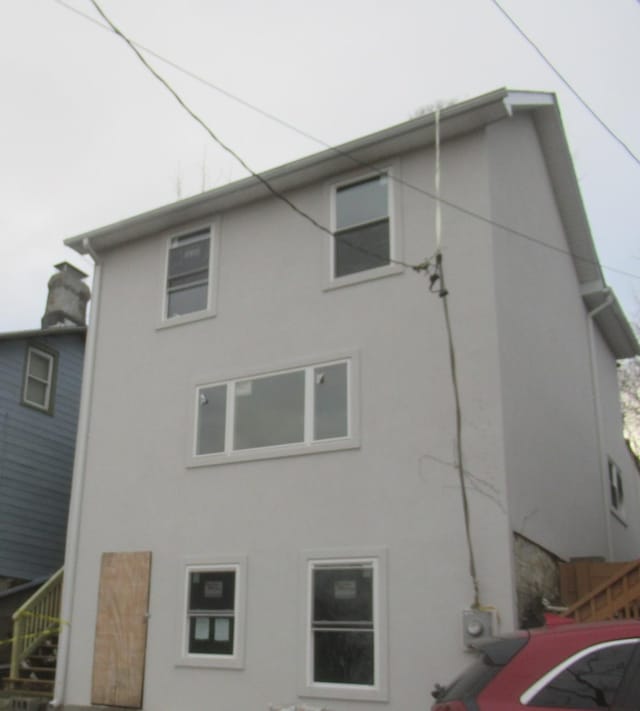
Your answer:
<point x="366" y="151"/>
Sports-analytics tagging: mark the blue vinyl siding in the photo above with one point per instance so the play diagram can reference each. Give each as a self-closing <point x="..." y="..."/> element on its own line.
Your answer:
<point x="36" y="458"/>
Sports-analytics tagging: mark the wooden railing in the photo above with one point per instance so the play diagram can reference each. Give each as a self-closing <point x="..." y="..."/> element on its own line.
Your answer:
<point x="37" y="619"/>
<point x="616" y="598"/>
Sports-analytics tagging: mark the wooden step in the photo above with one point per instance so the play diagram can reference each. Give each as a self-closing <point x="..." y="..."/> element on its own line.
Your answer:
<point x="43" y="687"/>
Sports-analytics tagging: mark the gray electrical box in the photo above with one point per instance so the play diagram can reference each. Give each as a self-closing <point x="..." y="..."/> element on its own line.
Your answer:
<point x="477" y="625"/>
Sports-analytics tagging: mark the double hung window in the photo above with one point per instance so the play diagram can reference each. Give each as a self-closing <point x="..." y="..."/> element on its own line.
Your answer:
<point x="38" y="383"/>
<point x="342" y="623"/>
<point x="213" y="608"/>
<point x="188" y="274"/>
<point x="362" y="235"/>
<point x="288" y="411"/>
<point x="346" y="628"/>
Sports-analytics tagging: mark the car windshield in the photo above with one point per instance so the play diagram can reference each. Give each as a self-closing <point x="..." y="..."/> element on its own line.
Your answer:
<point x="493" y="656"/>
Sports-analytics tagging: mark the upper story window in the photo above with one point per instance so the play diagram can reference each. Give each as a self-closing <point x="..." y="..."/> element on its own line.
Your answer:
<point x="188" y="274"/>
<point x="292" y="411"/>
<point x="38" y="386"/>
<point x="362" y="234"/>
<point x="366" y="243"/>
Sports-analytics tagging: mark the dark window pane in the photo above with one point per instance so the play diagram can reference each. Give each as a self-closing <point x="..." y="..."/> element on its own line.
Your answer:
<point x="269" y="411"/>
<point x="363" y="248"/>
<point x="589" y="683"/>
<point x="343" y="595"/>
<point x="188" y="257"/>
<point x="212" y="412"/>
<point x="330" y="416"/>
<point x="186" y="301"/>
<point x="211" y="634"/>
<point x="362" y="202"/>
<point x="212" y="590"/>
<point x="343" y="657"/>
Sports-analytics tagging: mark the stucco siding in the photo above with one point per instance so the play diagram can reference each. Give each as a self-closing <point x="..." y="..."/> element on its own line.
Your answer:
<point x="551" y="438"/>
<point x="397" y="491"/>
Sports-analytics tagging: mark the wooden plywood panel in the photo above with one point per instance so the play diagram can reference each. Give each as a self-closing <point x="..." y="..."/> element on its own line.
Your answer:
<point x="121" y="629"/>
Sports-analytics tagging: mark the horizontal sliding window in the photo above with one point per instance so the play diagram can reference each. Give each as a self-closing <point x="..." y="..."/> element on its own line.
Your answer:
<point x="300" y="406"/>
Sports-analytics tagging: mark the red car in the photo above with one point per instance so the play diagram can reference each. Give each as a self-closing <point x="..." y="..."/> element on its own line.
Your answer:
<point x="574" y="666"/>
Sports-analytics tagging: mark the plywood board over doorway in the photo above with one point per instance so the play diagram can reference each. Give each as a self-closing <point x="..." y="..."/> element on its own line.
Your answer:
<point x="121" y="629"/>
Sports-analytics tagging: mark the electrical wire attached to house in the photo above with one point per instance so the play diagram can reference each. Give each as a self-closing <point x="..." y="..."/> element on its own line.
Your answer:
<point x="435" y="272"/>
<point x="345" y="154"/>
<point x="433" y="268"/>
<point x="266" y="183"/>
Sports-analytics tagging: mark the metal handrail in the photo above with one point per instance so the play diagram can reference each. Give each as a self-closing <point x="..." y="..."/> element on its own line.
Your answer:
<point x="35" y="620"/>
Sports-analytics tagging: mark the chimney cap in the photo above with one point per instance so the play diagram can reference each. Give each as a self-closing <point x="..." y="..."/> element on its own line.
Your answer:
<point x="70" y="269"/>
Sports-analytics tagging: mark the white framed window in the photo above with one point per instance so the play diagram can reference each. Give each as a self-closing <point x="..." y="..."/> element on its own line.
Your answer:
<point x="39" y="378"/>
<point x="189" y="287"/>
<point x="616" y="489"/>
<point x="366" y="235"/>
<point x="213" y="604"/>
<point x="295" y="410"/>
<point x="345" y="625"/>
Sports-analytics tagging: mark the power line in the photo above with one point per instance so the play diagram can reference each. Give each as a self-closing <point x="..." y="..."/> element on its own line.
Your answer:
<point x="276" y="193"/>
<point x="566" y="82"/>
<point x="371" y="166"/>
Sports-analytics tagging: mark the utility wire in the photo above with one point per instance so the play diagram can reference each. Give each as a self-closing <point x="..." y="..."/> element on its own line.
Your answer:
<point x="339" y="151"/>
<point x="276" y="193"/>
<point x="566" y="82"/>
<point x="435" y="271"/>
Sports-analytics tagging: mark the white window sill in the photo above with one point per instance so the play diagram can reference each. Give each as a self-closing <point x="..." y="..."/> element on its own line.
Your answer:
<point x="187" y="318"/>
<point x="204" y="661"/>
<point x="288" y="450"/>
<point x="346" y="692"/>
<point x="366" y="275"/>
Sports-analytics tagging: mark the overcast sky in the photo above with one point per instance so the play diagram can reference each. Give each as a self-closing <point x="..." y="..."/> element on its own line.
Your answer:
<point x="88" y="137"/>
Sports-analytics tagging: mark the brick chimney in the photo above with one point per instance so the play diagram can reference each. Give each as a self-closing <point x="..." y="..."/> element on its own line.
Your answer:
<point x="68" y="296"/>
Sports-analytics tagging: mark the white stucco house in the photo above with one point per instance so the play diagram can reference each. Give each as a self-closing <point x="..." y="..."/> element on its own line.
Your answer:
<point x="266" y="507"/>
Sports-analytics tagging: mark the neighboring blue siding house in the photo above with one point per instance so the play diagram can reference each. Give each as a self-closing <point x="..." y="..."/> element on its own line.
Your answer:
<point x="40" y="380"/>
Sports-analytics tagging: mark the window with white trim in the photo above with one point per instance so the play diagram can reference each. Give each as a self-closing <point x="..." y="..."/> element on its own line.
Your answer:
<point x="39" y="377"/>
<point x="288" y="411"/>
<point x="188" y="274"/>
<point x="345" y="628"/>
<point x="362" y="231"/>
<point x="213" y="610"/>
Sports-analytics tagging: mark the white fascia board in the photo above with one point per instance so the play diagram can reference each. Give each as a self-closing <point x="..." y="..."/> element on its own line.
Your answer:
<point x="364" y="152"/>
<point x="528" y="100"/>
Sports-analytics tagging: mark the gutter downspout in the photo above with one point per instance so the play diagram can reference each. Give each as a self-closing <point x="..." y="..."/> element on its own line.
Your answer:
<point x="77" y="489"/>
<point x="598" y="414"/>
